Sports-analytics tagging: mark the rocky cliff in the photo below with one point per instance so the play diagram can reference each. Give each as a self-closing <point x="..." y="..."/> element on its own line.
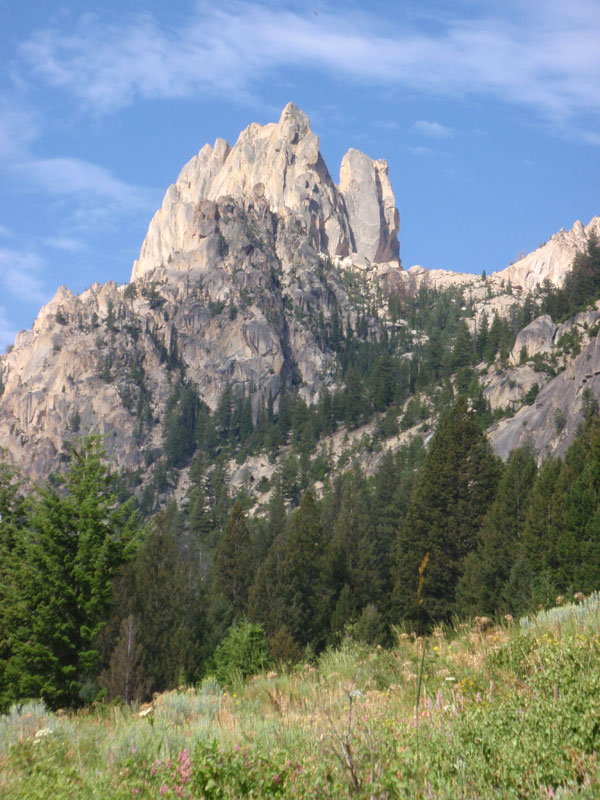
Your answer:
<point x="237" y="282"/>
<point x="254" y="258"/>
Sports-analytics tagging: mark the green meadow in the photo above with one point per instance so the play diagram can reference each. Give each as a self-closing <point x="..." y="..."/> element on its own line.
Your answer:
<point x="508" y="710"/>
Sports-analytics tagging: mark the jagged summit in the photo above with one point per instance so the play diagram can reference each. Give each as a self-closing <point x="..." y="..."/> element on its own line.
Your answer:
<point x="551" y="260"/>
<point x="281" y="164"/>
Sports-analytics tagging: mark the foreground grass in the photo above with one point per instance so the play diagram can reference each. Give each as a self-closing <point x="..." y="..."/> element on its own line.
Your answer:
<point x="507" y="711"/>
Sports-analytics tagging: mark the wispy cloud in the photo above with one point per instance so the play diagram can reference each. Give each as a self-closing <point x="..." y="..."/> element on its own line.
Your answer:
<point x="21" y="275"/>
<point x="542" y="55"/>
<point x="433" y="130"/>
<point x="66" y="243"/>
<point x="68" y="177"/>
<point x="429" y="152"/>
<point x="17" y="130"/>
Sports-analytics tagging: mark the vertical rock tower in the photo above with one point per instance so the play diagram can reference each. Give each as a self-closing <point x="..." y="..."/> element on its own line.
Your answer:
<point x="281" y="163"/>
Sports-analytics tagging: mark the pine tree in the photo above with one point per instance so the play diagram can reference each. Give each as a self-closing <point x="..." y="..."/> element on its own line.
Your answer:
<point x="124" y="677"/>
<point x="533" y="577"/>
<point x="482" y="587"/>
<point x="12" y="520"/>
<point x="60" y="592"/>
<point x="232" y="568"/>
<point x="289" y="591"/>
<point x="462" y="353"/>
<point x="454" y="488"/>
<point x="163" y="590"/>
<point x="351" y="553"/>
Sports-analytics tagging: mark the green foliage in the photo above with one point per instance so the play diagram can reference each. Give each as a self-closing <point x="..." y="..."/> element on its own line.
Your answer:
<point x="482" y="586"/>
<point x="289" y="591"/>
<point x="162" y="591"/>
<point x="130" y="292"/>
<point x="456" y="484"/>
<point x="242" y="652"/>
<point x="60" y="570"/>
<point x="531" y="394"/>
<point x="232" y="569"/>
<point x="581" y="287"/>
<point x="509" y="711"/>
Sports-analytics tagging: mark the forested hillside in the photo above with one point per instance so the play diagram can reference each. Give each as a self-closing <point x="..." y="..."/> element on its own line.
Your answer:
<point x="97" y="604"/>
<point x="274" y="437"/>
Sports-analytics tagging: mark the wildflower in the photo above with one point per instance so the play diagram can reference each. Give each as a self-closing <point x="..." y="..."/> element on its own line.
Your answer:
<point x="559" y="599"/>
<point x="145" y="711"/>
<point x="509" y="618"/>
<point x="163" y="789"/>
<point x="42" y="733"/>
<point x="579" y="597"/>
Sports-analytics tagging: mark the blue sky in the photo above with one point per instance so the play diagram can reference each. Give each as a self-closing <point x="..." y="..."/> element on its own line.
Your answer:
<point x="488" y="114"/>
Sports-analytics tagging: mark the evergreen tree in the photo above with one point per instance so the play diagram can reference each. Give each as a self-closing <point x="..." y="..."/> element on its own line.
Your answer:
<point x="12" y="520"/>
<point x="163" y="591"/>
<point x="482" y="587"/>
<point x="454" y="488"/>
<point x="60" y="590"/>
<point x="232" y="568"/>
<point x="351" y="553"/>
<point x="289" y="591"/>
<point x="462" y="353"/>
<point x="533" y="577"/>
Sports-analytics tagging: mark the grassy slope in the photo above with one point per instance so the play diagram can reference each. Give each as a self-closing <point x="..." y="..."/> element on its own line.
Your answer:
<point x="508" y="711"/>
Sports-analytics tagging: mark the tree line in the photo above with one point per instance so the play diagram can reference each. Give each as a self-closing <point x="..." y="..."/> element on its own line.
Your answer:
<point x="97" y="604"/>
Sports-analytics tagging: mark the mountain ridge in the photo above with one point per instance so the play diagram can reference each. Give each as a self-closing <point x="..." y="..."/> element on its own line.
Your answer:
<point x="255" y="261"/>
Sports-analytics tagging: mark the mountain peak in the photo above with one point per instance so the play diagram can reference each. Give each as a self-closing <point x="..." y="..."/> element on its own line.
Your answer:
<point x="281" y="163"/>
<point x="293" y="121"/>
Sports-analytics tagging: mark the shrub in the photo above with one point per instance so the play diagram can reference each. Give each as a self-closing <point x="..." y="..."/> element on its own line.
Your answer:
<point x="243" y="652"/>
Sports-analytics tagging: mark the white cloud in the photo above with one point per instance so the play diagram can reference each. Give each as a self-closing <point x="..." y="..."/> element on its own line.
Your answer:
<point x="17" y="130"/>
<point x="433" y="130"/>
<point x="427" y="151"/>
<point x="75" y="177"/>
<point x="66" y="243"/>
<point x="7" y="330"/>
<point x="20" y="275"/>
<point x="540" y="54"/>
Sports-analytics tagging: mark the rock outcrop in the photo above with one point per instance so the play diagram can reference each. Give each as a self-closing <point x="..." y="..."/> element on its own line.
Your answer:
<point x="536" y="338"/>
<point x="371" y="207"/>
<point x="552" y="260"/>
<point x="550" y="423"/>
<point x="236" y="284"/>
<point x="281" y="165"/>
<point x="253" y="261"/>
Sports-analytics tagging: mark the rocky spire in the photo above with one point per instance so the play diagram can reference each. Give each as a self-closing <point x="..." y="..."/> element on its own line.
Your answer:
<point x="371" y="206"/>
<point x="280" y="162"/>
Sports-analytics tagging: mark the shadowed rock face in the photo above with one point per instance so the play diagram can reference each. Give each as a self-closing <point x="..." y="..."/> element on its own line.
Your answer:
<point x="536" y="425"/>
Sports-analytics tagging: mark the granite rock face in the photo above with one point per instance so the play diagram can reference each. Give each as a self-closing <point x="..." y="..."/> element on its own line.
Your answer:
<point x="281" y="165"/>
<point x="235" y="285"/>
<point x="371" y="207"/>
<point x="252" y="258"/>
<point x="537" y="337"/>
<point x="550" y="423"/>
<point x="550" y="262"/>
